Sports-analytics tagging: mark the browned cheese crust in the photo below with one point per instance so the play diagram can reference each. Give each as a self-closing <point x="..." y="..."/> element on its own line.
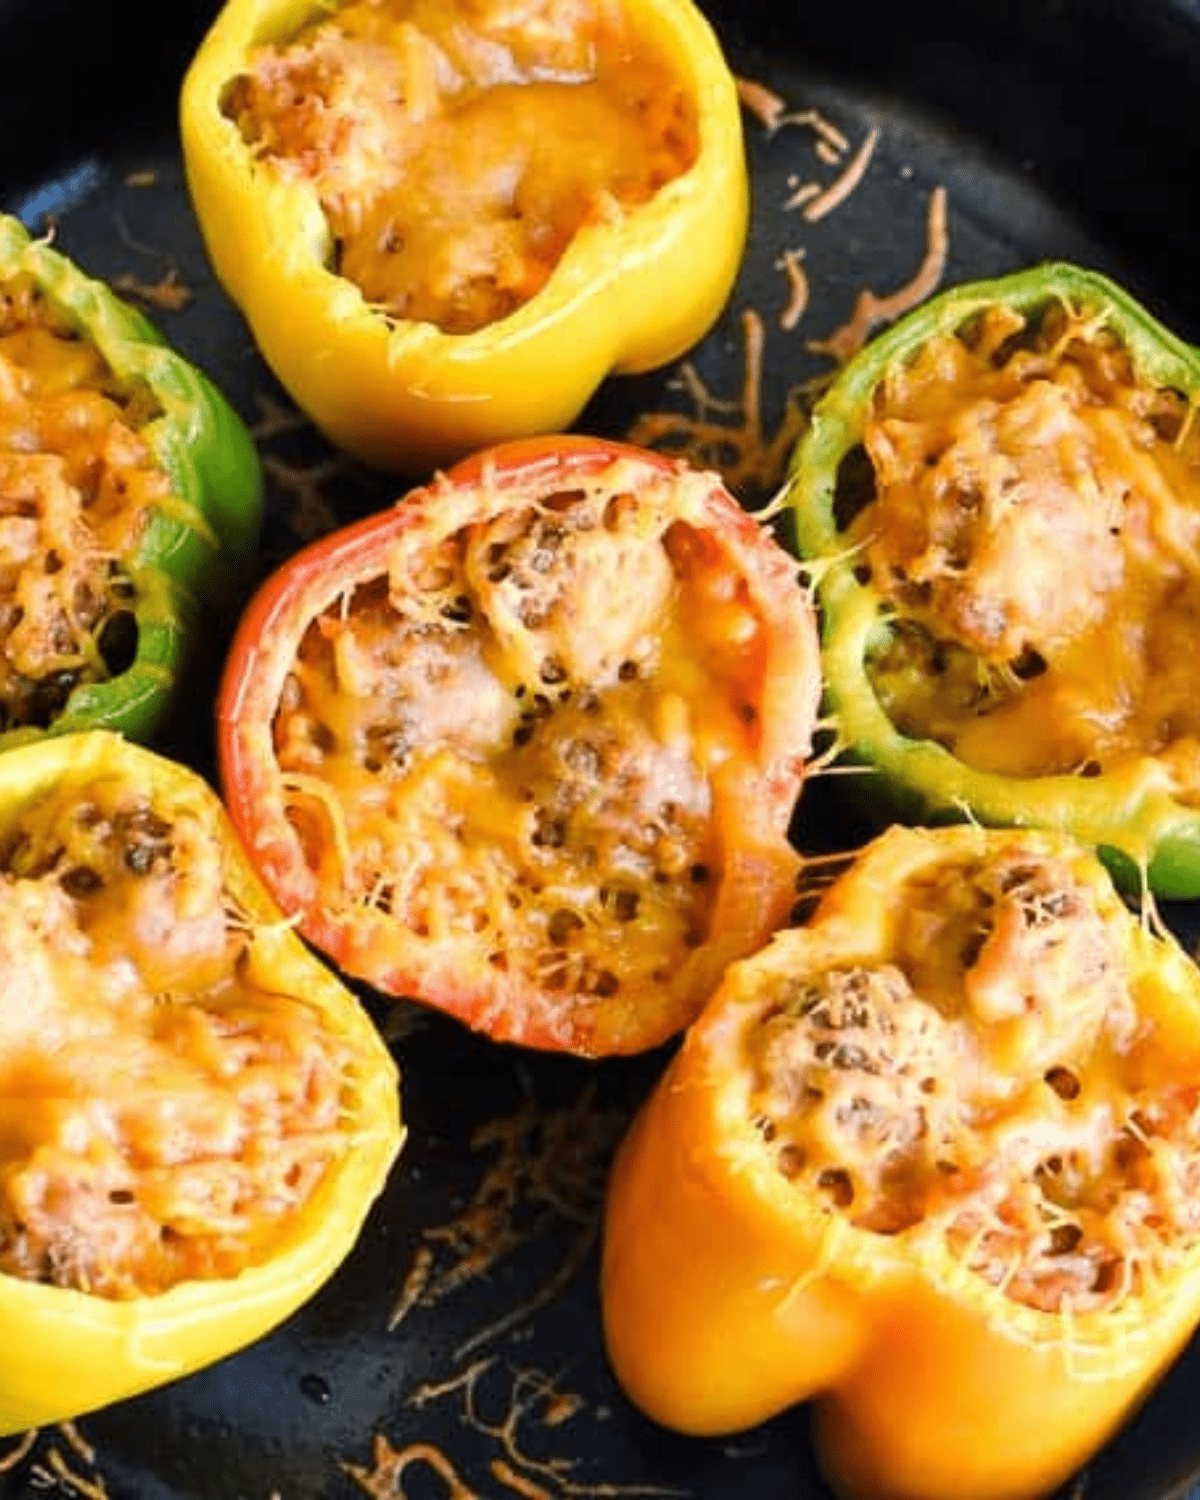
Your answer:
<point x="457" y="148"/>
<point x="163" y="1112"/>
<point x="983" y="1080"/>
<point x="1033" y="523"/>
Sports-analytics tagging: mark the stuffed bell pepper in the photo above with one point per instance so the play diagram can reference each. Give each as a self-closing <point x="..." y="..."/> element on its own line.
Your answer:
<point x="195" y="1115"/>
<point x="129" y="496"/>
<point x="1003" y="497"/>
<point x="932" y="1160"/>
<point x="525" y="746"/>
<point x="447" y="222"/>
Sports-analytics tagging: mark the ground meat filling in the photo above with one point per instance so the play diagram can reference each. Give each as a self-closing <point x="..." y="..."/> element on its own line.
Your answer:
<point x="457" y="148"/>
<point x="980" y="1081"/>
<point x="77" y="484"/>
<point x="850" y="1070"/>
<point x="163" y="1113"/>
<point x="1032" y="520"/>
<point x="480" y="750"/>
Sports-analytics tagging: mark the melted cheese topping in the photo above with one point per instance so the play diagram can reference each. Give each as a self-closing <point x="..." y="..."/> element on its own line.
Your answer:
<point x="524" y="744"/>
<point x="77" y="483"/>
<point x="457" y="148"/>
<point x="1035" y="531"/>
<point x="164" y="1111"/>
<point x="989" y="1073"/>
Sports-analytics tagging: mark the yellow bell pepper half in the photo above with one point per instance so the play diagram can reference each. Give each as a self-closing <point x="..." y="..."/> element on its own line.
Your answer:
<point x="633" y="289"/>
<point x="66" y="1350"/>
<point x="931" y="1161"/>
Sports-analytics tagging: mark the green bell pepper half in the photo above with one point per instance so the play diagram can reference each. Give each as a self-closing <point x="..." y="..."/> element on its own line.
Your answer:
<point x="1129" y="814"/>
<point x="196" y="551"/>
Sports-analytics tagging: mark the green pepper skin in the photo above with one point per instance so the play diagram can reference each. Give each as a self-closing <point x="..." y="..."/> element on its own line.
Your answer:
<point x="194" y="554"/>
<point x="1130" y="816"/>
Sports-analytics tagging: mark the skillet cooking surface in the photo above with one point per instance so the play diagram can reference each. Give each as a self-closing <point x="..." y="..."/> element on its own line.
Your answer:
<point x="458" y="1353"/>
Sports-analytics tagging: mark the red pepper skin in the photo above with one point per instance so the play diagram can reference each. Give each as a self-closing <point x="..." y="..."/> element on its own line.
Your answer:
<point x="756" y="890"/>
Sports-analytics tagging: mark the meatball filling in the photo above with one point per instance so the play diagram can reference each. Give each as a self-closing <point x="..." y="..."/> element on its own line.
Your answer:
<point x="164" y="1111"/>
<point x="990" y="1078"/>
<point x="528" y="747"/>
<point x="1032" y="521"/>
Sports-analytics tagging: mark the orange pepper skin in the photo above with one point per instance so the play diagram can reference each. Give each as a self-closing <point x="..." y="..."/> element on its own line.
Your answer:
<point x="627" y="296"/>
<point x="730" y="1293"/>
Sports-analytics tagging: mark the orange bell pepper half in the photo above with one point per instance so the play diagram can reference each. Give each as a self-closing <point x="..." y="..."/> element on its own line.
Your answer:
<point x="931" y="1161"/>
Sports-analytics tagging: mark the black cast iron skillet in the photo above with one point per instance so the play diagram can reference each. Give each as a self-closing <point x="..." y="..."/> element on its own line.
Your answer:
<point x="458" y="1351"/>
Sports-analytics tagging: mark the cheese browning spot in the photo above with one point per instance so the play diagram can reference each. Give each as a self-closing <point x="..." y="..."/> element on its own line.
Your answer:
<point x="1031" y="519"/>
<point x="77" y="485"/>
<point x="511" y="748"/>
<point x="991" y="1079"/>
<point x="457" y="150"/>
<point x="164" y="1113"/>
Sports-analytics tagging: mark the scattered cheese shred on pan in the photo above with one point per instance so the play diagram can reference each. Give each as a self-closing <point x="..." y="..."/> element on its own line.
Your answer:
<point x="310" y="514"/>
<point x="17" y="1454"/>
<point x="803" y="194"/>
<point x="837" y="193"/>
<point x="383" y="1480"/>
<point x="63" y="1475"/>
<point x="524" y="1487"/>
<point x="737" y="450"/>
<point x="78" y="1442"/>
<point x="169" y="293"/>
<point x="765" y="105"/>
<point x="789" y="263"/>
<point x="870" y="310"/>
<point x="773" y="114"/>
<point x="737" y="447"/>
<point x="275" y="419"/>
<point x="514" y="1481"/>
<point x="815" y="120"/>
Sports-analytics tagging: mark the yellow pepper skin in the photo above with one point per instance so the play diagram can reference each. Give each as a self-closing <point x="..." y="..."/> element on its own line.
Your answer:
<point x="628" y="295"/>
<point x="63" y="1352"/>
<point x="731" y="1292"/>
